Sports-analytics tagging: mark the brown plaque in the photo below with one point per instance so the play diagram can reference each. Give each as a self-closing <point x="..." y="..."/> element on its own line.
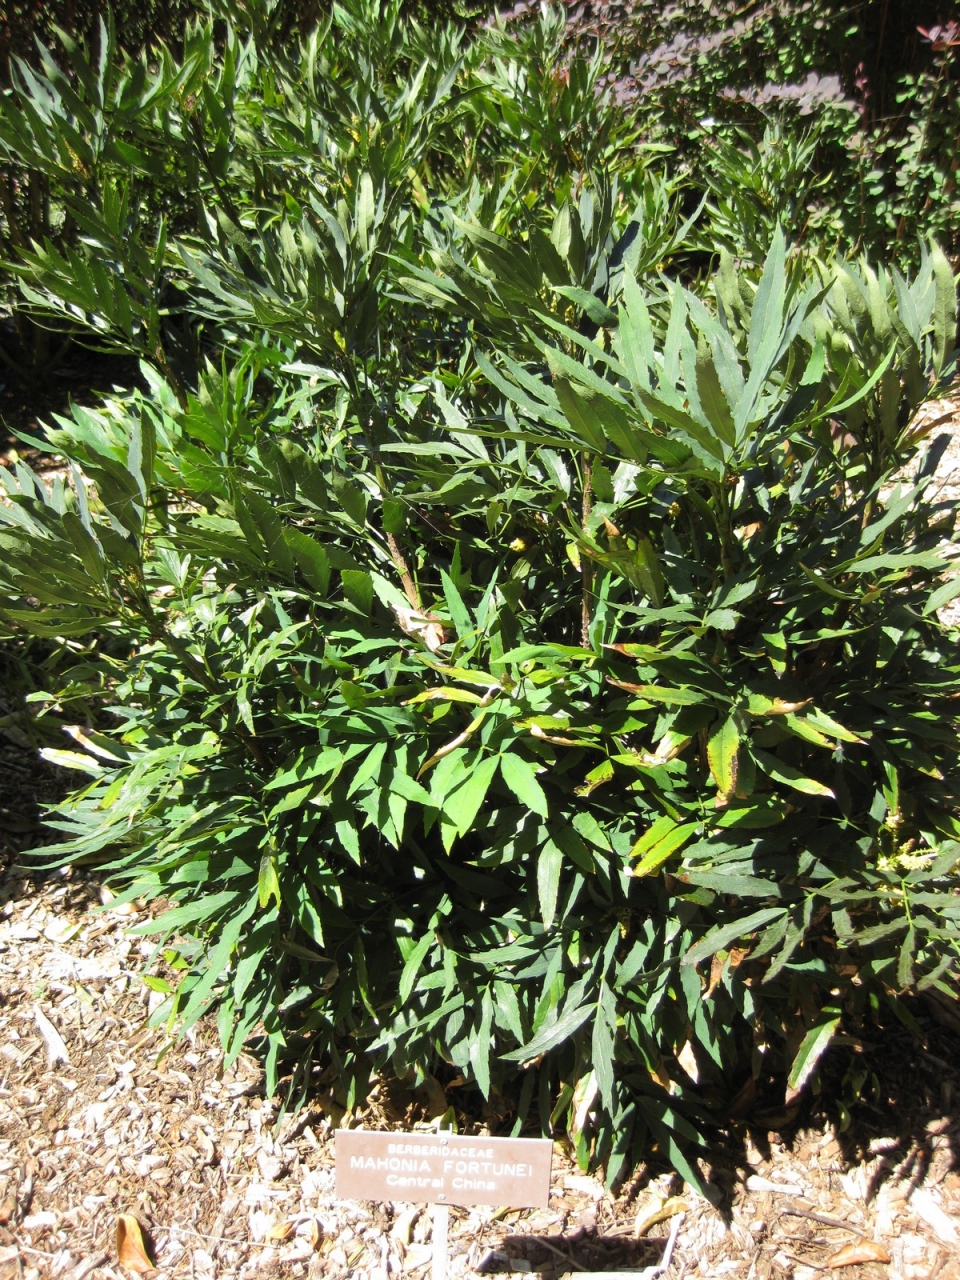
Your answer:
<point x="443" y="1168"/>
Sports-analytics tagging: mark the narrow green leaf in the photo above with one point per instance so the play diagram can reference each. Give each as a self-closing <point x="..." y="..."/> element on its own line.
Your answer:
<point x="580" y="413"/>
<point x="946" y="592"/>
<point x="480" y="1057"/>
<point x="944" y="310"/>
<point x="908" y="951"/>
<point x="766" y="316"/>
<point x="712" y="400"/>
<point x="459" y="612"/>
<point x="603" y="1044"/>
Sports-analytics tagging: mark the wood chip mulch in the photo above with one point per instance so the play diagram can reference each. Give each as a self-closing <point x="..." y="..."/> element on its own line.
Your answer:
<point x="100" y="1115"/>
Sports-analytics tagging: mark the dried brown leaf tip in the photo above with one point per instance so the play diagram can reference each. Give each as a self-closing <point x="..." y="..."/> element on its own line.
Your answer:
<point x="852" y="1255"/>
<point x="132" y="1246"/>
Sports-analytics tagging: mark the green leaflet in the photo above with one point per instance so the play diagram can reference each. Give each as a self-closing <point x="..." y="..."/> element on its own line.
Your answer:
<point x="553" y="1034"/>
<point x="411" y="967"/>
<point x="721" y="935"/>
<point x="791" y="777"/>
<point x="311" y="559"/>
<point x="549" y="867"/>
<point x="462" y="805"/>
<point x="521" y="777"/>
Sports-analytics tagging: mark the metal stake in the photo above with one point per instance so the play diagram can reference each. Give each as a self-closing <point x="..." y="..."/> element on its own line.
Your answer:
<point x="441" y="1220"/>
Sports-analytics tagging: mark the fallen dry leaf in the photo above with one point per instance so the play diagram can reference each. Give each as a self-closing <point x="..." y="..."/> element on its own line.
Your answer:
<point x="315" y="1234"/>
<point x="25" y="1190"/>
<point x="279" y="1230"/>
<point x="668" y="1209"/>
<point x="131" y="1245"/>
<point x="861" y="1251"/>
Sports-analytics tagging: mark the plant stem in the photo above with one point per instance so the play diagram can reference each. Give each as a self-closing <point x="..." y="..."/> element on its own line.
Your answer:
<point x="406" y="577"/>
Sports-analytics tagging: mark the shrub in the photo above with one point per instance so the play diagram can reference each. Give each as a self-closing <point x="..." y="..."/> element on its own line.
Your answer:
<point x="511" y="656"/>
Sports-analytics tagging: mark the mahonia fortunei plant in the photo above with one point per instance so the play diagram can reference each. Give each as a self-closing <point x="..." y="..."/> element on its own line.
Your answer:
<point x="514" y="653"/>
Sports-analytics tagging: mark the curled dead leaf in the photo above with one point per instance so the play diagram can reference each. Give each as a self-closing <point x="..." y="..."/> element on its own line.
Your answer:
<point x="852" y="1255"/>
<point x="132" y="1246"/>
<point x="315" y="1234"/>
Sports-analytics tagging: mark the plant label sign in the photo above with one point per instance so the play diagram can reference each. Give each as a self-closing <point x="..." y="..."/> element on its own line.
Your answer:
<point x="443" y="1168"/>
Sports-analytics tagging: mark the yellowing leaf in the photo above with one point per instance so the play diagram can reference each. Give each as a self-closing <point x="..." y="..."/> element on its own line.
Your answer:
<point x="70" y="760"/>
<point x="268" y="885"/>
<point x="722" y="746"/>
<point x="444" y="695"/>
<point x="670" y="838"/>
<point x="758" y="704"/>
<point x="660" y="1213"/>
